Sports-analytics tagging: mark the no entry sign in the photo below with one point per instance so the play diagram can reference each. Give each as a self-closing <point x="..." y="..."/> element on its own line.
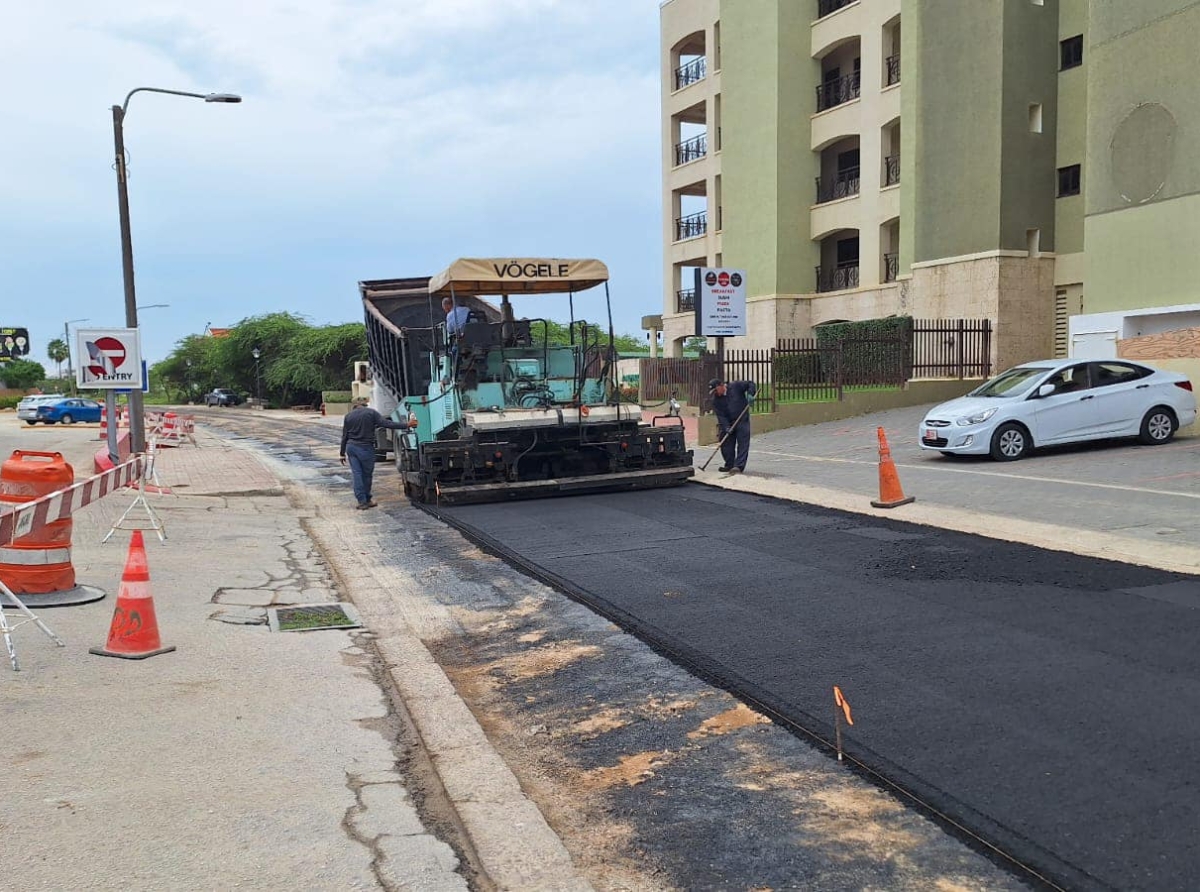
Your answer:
<point x="109" y="358"/>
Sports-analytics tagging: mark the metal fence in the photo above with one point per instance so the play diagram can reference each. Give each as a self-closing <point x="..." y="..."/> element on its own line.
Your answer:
<point x="802" y="370"/>
<point x="952" y="348"/>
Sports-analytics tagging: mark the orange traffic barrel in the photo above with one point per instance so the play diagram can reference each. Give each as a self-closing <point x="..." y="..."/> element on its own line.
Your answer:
<point x="40" y="561"/>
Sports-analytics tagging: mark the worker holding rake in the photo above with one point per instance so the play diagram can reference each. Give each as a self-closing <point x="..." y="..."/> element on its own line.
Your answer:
<point x="731" y="403"/>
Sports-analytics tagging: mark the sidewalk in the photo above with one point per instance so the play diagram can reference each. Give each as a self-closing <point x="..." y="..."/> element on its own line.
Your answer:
<point x="1119" y="502"/>
<point x="246" y="758"/>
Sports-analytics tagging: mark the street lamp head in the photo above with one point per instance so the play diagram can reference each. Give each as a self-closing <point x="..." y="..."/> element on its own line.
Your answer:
<point x="256" y="353"/>
<point x="222" y="97"/>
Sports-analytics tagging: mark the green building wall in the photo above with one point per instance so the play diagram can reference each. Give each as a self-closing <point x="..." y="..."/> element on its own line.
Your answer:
<point x="767" y="166"/>
<point x="1142" y="228"/>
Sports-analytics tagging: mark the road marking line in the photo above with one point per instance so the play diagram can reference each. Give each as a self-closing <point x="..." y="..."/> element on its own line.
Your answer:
<point x="927" y="467"/>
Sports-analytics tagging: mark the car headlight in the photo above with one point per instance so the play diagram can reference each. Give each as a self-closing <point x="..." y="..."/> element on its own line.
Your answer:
<point x="977" y="418"/>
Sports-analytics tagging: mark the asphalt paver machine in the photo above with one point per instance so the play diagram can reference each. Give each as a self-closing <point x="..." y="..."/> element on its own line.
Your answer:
<point x="497" y="409"/>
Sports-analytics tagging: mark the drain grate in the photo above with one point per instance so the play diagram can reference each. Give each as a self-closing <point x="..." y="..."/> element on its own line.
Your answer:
<point x="313" y="617"/>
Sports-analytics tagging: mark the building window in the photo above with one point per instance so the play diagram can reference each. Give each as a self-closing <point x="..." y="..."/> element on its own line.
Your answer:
<point x="1070" y="52"/>
<point x="1068" y="181"/>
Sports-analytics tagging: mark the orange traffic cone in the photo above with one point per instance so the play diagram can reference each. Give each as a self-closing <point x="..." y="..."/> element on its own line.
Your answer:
<point x="133" y="634"/>
<point x="890" y="493"/>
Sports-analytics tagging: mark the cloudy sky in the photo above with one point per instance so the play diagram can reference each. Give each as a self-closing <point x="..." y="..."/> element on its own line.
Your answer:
<point x="377" y="138"/>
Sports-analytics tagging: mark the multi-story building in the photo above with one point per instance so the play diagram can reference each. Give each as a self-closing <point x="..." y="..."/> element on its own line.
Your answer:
<point x="1026" y="151"/>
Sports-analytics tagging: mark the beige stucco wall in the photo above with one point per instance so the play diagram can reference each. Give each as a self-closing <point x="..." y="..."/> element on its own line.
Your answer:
<point x="1015" y="291"/>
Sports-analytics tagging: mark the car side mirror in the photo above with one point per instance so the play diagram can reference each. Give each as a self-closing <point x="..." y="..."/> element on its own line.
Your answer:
<point x="1045" y="390"/>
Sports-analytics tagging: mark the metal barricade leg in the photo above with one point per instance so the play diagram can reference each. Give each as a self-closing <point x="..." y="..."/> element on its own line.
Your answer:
<point x="6" y="629"/>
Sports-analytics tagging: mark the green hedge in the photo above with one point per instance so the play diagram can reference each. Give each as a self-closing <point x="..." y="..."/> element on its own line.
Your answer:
<point x="335" y="396"/>
<point x="873" y="351"/>
<point x="799" y="368"/>
<point x="9" y="402"/>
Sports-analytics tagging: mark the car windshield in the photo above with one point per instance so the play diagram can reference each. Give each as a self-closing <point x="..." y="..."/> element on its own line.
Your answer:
<point x="1012" y="383"/>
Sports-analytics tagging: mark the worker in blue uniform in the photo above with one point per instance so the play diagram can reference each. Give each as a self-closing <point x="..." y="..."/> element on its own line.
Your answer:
<point x="731" y="403"/>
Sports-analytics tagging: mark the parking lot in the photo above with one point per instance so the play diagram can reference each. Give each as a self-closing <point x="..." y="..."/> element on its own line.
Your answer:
<point x="1142" y="492"/>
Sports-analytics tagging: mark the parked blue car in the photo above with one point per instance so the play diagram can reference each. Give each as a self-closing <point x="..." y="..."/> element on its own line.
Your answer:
<point x="68" y="411"/>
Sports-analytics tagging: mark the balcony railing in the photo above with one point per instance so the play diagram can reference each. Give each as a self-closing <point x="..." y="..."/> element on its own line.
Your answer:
<point x="893" y="69"/>
<point x="691" y="226"/>
<point x="891" y="267"/>
<point x="691" y="149"/>
<point x="844" y="275"/>
<point x="825" y="7"/>
<point x="836" y="92"/>
<point x="843" y="185"/>
<point x="690" y="72"/>
<point x="891" y="170"/>
<point x="685" y="301"/>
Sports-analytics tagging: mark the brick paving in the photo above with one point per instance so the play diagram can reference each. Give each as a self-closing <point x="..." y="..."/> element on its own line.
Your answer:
<point x="213" y="467"/>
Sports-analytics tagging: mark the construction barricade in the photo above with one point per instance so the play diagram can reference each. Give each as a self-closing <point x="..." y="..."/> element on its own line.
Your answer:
<point x="39" y="562"/>
<point x="174" y="430"/>
<point x="35" y="524"/>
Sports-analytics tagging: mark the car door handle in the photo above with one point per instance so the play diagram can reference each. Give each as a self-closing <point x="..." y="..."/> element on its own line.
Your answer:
<point x="1142" y="386"/>
<point x="1082" y="398"/>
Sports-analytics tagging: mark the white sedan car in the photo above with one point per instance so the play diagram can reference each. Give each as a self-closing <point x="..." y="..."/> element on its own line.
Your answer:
<point x="1061" y="401"/>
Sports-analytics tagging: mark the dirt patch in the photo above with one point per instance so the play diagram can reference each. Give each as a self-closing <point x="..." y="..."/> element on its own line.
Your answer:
<point x="630" y="771"/>
<point x="741" y="716"/>
<point x="602" y="722"/>
<point x="857" y="819"/>
<point x="541" y="661"/>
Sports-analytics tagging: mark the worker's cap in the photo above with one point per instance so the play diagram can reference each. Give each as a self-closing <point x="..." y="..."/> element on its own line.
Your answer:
<point x="714" y="384"/>
<point x="359" y="401"/>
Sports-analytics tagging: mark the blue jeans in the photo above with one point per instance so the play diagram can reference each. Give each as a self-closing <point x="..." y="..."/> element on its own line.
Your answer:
<point x="736" y="448"/>
<point x="362" y="468"/>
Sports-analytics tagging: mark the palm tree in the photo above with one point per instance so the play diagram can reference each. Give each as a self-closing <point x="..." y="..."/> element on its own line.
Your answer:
<point x="58" y="352"/>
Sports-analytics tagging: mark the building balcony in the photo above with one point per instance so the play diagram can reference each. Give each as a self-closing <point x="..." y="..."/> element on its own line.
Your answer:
<point x="690" y="73"/>
<point x="843" y="185"/>
<point x="691" y="226"/>
<point x="892" y="64"/>
<point x="828" y="7"/>
<point x="838" y="278"/>
<point x="891" y="267"/>
<point x="891" y="170"/>
<point x="836" y="92"/>
<point x="685" y="301"/>
<point x="691" y="149"/>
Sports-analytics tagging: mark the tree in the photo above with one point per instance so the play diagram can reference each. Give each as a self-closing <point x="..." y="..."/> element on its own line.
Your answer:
<point x="21" y="374"/>
<point x="317" y="359"/>
<point x="58" y="352"/>
<point x="191" y="370"/>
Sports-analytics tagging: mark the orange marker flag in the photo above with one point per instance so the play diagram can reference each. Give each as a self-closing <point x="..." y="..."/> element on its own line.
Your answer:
<point x="841" y="701"/>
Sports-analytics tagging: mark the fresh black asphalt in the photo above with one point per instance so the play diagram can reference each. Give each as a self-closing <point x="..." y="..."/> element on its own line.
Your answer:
<point x="1047" y="703"/>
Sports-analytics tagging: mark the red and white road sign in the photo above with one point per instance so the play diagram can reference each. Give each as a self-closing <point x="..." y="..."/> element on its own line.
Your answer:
<point x="109" y="358"/>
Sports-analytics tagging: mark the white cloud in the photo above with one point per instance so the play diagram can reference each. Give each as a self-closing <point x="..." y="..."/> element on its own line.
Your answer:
<point x="451" y="115"/>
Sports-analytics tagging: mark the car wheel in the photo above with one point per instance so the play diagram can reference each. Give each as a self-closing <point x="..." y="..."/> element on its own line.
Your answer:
<point x="31" y="423"/>
<point x="1158" y="426"/>
<point x="1010" y="442"/>
<point x="67" y="419"/>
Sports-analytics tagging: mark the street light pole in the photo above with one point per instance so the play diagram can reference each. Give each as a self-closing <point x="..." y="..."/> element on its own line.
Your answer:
<point x="67" y="340"/>
<point x="137" y="427"/>
<point x="256" y="353"/>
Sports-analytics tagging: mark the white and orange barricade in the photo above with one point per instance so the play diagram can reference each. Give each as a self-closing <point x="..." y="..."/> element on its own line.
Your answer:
<point x="40" y="561"/>
<point x="176" y="429"/>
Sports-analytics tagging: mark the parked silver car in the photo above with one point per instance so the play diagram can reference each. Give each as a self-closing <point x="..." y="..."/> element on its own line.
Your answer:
<point x="28" y="405"/>
<point x="1061" y="401"/>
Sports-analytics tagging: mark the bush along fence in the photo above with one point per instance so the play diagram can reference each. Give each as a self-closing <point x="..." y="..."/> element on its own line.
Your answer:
<point x="874" y="355"/>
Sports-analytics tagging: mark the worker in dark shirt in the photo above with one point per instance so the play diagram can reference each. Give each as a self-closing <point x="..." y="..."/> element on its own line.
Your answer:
<point x="358" y="444"/>
<point x="731" y="403"/>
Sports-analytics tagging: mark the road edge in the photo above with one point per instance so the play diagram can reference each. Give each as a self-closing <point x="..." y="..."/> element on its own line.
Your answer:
<point x="1089" y="543"/>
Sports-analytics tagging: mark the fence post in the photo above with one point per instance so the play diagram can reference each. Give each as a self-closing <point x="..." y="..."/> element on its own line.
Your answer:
<point x="962" y="355"/>
<point x="838" y="369"/>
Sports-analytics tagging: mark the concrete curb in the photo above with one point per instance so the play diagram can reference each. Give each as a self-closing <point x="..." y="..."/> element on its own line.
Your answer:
<point x="1088" y="543"/>
<point x="514" y="845"/>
